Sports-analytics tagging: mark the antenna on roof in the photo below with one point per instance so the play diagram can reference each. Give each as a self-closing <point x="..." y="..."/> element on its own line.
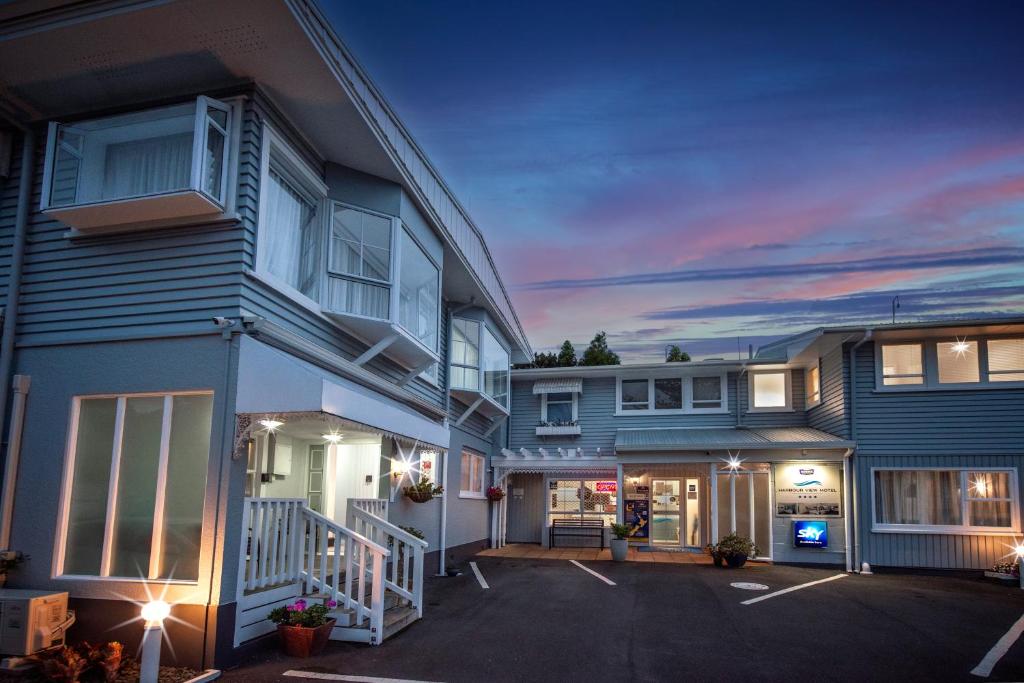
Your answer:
<point x="895" y="307"/>
<point x="739" y="354"/>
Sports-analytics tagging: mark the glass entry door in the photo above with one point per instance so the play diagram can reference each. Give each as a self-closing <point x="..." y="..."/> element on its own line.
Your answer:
<point x="665" y="508"/>
<point x="744" y="507"/>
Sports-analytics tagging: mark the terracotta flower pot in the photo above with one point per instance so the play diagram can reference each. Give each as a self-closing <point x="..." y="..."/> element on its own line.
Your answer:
<point x="301" y="641"/>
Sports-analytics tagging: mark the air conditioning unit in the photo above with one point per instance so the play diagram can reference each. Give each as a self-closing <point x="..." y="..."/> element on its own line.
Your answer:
<point x="31" y="621"/>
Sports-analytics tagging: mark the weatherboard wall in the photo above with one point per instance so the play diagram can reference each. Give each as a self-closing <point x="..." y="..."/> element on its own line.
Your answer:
<point x="831" y="415"/>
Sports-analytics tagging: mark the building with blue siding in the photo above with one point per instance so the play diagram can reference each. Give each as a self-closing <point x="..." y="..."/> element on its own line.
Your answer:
<point x="230" y="281"/>
<point x="905" y="439"/>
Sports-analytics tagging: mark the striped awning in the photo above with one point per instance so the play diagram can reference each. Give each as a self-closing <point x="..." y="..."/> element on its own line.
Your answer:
<point x="559" y="385"/>
<point x="682" y="439"/>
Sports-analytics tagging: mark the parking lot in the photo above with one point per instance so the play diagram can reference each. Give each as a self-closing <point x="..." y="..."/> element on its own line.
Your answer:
<point x="553" y="620"/>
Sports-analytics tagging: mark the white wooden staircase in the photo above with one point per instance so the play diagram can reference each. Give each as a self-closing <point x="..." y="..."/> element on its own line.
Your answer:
<point x="370" y="568"/>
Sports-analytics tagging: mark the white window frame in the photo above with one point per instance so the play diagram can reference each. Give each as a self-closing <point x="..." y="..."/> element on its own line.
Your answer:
<point x="952" y="529"/>
<point x="401" y="231"/>
<point x="67" y="486"/>
<point x="482" y="479"/>
<point x="575" y="405"/>
<point x="479" y="354"/>
<point x="275" y="144"/>
<point x="687" y="407"/>
<point x="788" y="379"/>
<point x="986" y="371"/>
<point x="812" y="392"/>
<point x="930" y="365"/>
<point x="481" y="382"/>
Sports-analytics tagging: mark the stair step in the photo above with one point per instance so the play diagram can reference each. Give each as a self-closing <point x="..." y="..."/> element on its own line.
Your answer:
<point x="397" y="619"/>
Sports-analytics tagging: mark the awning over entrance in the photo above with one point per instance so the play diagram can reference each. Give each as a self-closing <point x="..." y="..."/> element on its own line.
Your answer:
<point x="696" y="439"/>
<point x="271" y="381"/>
<point x="559" y="385"/>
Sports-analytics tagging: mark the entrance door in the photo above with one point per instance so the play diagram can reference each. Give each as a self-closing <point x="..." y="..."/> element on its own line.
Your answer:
<point x="691" y="524"/>
<point x="744" y="507"/>
<point x="665" y="507"/>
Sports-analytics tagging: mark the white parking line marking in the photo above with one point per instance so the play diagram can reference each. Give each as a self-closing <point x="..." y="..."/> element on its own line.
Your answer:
<point x="591" y="571"/>
<point x="479" y="576"/>
<point x="985" y="666"/>
<point x="759" y="598"/>
<point x="342" y="677"/>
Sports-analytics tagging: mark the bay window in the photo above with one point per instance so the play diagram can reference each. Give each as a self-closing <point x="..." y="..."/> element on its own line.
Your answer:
<point x="496" y="368"/>
<point x="134" y="486"/>
<point x="465" y="370"/>
<point x="945" y="500"/>
<point x="159" y="164"/>
<point x="479" y="367"/>
<point x="363" y="269"/>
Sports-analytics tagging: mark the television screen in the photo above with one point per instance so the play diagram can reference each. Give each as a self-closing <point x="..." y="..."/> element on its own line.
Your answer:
<point x="810" y="534"/>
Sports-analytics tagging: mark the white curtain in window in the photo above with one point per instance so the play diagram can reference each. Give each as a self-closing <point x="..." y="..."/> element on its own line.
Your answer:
<point x="291" y="244"/>
<point x="927" y="497"/>
<point x="151" y="166"/>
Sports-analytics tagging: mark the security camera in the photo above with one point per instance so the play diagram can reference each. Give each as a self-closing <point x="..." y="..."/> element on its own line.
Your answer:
<point x="222" y="322"/>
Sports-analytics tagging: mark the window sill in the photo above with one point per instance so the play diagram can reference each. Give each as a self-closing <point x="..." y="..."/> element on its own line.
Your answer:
<point x="123" y="579"/>
<point x="135" y="213"/>
<point x="926" y="388"/>
<point x="943" y="531"/>
<point x="769" y="410"/>
<point x="674" y="411"/>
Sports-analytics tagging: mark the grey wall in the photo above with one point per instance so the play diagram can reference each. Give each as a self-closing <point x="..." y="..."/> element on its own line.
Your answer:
<point x="125" y="367"/>
<point x="832" y="414"/>
<point x="944" y="428"/>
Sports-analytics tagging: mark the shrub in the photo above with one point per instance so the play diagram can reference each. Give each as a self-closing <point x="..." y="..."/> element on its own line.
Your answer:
<point x="621" y="531"/>
<point x="299" y="613"/>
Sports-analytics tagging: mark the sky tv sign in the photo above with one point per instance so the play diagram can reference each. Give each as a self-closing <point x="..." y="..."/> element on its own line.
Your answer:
<point x="810" y="533"/>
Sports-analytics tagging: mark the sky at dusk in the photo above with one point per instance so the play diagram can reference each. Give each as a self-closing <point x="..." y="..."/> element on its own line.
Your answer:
<point x="694" y="174"/>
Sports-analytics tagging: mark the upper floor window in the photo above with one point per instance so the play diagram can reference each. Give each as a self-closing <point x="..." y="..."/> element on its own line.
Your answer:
<point x="957" y="362"/>
<point x="496" y="368"/>
<point x="558" y="408"/>
<point x="465" y="371"/>
<point x="902" y="364"/>
<point x="1006" y="360"/>
<point x="950" y="363"/>
<point x="812" y="379"/>
<point x="770" y="390"/>
<point x="672" y="394"/>
<point x="364" y="269"/>
<point x="135" y="484"/>
<point x="175" y="158"/>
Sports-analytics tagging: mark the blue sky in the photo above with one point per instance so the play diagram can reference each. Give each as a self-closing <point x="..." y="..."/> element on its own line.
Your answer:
<point x="709" y="173"/>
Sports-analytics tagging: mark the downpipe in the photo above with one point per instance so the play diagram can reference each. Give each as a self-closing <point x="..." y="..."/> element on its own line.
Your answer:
<point x="868" y="336"/>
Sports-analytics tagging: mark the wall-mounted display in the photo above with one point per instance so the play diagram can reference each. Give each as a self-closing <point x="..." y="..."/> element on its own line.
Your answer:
<point x="803" y="490"/>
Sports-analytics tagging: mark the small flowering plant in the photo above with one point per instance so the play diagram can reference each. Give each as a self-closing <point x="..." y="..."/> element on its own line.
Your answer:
<point x="300" y="613"/>
<point x="495" y="493"/>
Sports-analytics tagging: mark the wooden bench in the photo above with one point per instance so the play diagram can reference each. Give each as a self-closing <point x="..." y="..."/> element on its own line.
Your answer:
<point x="576" y="528"/>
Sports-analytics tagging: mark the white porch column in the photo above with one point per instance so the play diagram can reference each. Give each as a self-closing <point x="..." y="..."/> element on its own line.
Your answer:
<point x="732" y="501"/>
<point x="620" y="509"/>
<point x="714" y="503"/>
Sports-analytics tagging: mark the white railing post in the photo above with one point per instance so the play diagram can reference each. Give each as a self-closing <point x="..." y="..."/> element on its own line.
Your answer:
<point x="417" y="586"/>
<point x="377" y="600"/>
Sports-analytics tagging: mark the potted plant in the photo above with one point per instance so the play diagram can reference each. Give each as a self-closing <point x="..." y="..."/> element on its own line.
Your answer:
<point x="422" y="491"/>
<point x="712" y="550"/>
<point x="620" y="546"/>
<point x="303" y="628"/>
<point x="495" y="494"/>
<point x="9" y="559"/>
<point x="734" y="550"/>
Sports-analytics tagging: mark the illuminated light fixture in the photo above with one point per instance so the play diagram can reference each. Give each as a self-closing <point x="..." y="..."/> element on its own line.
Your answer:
<point x="980" y="487"/>
<point x="734" y="462"/>
<point x="155" y="611"/>
<point x="399" y="468"/>
<point x="1019" y="550"/>
<point x="271" y="425"/>
<point x="960" y="347"/>
<point x="333" y="437"/>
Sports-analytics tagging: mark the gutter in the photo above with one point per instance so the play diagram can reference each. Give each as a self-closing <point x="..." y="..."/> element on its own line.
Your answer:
<point x="297" y="345"/>
<point x="868" y="335"/>
<point x="10" y="327"/>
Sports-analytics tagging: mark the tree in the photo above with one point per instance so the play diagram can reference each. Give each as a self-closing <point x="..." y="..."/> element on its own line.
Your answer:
<point x="567" y="355"/>
<point x="545" y="360"/>
<point x="677" y="355"/>
<point x="598" y="352"/>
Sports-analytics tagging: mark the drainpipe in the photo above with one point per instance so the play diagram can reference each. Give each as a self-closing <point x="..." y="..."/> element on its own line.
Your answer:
<point x="444" y="513"/>
<point x="739" y="404"/>
<point x="868" y="335"/>
<point x="847" y="479"/>
<point x="20" y="385"/>
<point x="28" y="147"/>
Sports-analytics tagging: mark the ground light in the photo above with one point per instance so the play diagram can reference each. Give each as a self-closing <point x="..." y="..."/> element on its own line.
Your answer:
<point x="153" y="612"/>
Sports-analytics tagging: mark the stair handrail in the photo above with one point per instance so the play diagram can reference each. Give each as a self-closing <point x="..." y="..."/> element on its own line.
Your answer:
<point x="410" y="584"/>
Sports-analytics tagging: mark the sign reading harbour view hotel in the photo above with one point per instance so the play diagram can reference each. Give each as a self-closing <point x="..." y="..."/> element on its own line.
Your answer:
<point x="807" y="490"/>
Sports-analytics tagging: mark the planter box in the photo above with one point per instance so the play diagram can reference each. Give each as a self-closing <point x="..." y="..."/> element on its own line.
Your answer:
<point x="1000" y="576"/>
<point x="299" y="641"/>
<point x="561" y="430"/>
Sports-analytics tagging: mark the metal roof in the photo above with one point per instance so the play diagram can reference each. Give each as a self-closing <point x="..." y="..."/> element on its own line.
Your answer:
<point x="681" y="439"/>
<point x="558" y="385"/>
